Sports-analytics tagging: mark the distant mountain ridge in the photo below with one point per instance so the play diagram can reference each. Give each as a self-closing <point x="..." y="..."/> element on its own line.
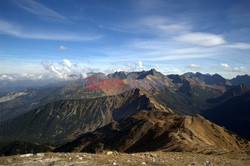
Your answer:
<point x="218" y="79"/>
<point x="208" y="79"/>
<point x="233" y="113"/>
<point x="135" y="75"/>
<point x="38" y="97"/>
<point x="190" y="90"/>
<point x="232" y="92"/>
<point x="241" y="80"/>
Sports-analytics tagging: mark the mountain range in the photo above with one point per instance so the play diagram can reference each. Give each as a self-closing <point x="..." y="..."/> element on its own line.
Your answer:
<point x="136" y="119"/>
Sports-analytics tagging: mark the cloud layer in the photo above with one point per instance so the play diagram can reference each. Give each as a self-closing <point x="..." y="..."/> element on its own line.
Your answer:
<point x="193" y="66"/>
<point x="39" y="10"/>
<point x="229" y="68"/>
<point x="16" y="30"/>
<point x="203" y="39"/>
<point x="241" y="46"/>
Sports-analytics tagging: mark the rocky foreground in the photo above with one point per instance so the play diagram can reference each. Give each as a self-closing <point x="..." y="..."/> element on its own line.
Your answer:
<point x="115" y="158"/>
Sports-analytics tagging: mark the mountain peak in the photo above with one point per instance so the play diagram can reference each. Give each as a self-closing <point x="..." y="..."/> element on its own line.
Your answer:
<point x="151" y="72"/>
<point x="242" y="79"/>
<point x="118" y="74"/>
<point x="207" y="78"/>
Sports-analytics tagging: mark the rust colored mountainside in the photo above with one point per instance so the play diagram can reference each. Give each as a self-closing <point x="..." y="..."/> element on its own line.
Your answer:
<point x="158" y="130"/>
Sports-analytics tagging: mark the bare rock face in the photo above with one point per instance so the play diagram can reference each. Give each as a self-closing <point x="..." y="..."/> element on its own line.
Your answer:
<point x="158" y="130"/>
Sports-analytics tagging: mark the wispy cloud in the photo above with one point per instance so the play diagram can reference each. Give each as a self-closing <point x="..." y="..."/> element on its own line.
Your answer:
<point x="193" y="66"/>
<point x="127" y="66"/>
<point x="61" y="48"/>
<point x="160" y="49"/>
<point x="241" y="46"/>
<point x="169" y="40"/>
<point x="203" y="39"/>
<point x="39" y="10"/>
<point x="163" y="25"/>
<point x="156" y="25"/>
<point x="17" y="31"/>
<point x="229" y="68"/>
<point x="177" y="57"/>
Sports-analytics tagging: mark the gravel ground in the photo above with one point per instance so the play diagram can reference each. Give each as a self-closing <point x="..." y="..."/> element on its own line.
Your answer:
<point x="114" y="158"/>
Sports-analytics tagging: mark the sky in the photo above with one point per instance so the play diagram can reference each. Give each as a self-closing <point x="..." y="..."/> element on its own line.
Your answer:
<point x="59" y="38"/>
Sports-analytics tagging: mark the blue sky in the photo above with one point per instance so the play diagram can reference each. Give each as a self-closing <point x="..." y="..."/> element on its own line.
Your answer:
<point x="173" y="36"/>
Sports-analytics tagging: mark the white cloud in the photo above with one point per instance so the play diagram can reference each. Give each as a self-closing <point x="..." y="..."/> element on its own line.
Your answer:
<point x="66" y="70"/>
<point x="166" y="42"/>
<point x="140" y="64"/>
<point x="229" y="68"/>
<point x="40" y="10"/>
<point x="169" y="70"/>
<point x="159" y="49"/>
<point x="8" y="28"/>
<point x="61" y="70"/>
<point x="203" y="39"/>
<point x="21" y="76"/>
<point x="155" y="25"/>
<point x="17" y="31"/>
<point x="61" y="48"/>
<point x="6" y="77"/>
<point x="226" y="66"/>
<point x="193" y="66"/>
<point x="165" y="25"/>
<point x="175" y="57"/>
<point x="54" y="69"/>
<point x="241" y="46"/>
<point x="128" y="66"/>
<point x="67" y="63"/>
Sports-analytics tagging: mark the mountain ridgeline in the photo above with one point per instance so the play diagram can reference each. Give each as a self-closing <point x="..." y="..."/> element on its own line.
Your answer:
<point x="157" y="130"/>
<point x="76" y="119"/>
<point x="189" y="93"/>
<point x="63" y="120"/>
